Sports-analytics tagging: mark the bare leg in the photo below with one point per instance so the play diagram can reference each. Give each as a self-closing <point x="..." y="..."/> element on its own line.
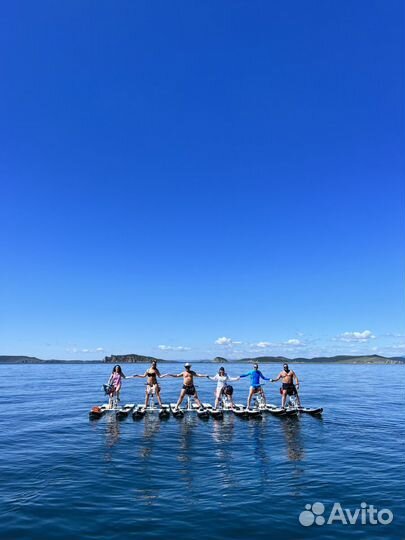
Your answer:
<point x="146" y="399"/>
<point x="263" y="395"/>
<point x="113" y="398"/>
<point x="284" y="397"/>
<point x="216" y="400"/>
<point x="181" y="397"/>
<point x="298" y="399"/>
<point x="158" y="397"/>
<point x="249" y="397"/>
<point x="197" y="400"/>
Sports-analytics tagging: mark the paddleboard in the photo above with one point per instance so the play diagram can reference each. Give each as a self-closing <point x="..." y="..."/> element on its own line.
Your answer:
<point x="98" y="411"/>
<point x="124" y="411"/>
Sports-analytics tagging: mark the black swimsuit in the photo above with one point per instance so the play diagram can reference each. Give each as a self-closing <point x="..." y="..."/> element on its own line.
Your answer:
<point x="190" y="389"/>
<point x="149" y="374"/>
<point x="290" y="387"/>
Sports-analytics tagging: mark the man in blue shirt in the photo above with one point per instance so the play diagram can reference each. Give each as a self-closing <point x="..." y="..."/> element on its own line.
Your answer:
<point x="255" y="386"/>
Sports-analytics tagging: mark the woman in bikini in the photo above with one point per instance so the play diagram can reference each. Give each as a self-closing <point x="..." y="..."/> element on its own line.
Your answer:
<point x="152" y="386"/>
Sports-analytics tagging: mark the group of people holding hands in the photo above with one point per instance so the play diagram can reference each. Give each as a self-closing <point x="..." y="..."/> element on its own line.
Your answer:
<point x="289" y="379"/>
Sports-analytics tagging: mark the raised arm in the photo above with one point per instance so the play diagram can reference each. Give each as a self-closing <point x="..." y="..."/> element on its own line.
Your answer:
<point x="200" y="375"/>
<point x="232" y="379"/>
<point x="263" y="377"/>
<point x="171" y="375"/>
<point x="138" y="376"/>
<point x="245" y="375"/>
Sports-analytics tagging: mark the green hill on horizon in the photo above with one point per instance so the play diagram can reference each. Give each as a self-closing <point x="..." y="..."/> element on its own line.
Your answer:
<point x="141" y="359"/>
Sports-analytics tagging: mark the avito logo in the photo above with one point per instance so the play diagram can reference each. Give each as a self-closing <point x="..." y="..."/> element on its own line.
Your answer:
<point x="365" y="515"/>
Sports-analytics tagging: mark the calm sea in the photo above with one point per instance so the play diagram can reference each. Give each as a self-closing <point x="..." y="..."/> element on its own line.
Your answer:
<point x="64" y="477"/>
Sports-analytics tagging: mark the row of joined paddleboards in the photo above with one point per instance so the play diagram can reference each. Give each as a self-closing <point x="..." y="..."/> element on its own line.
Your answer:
<point x="204" y="412"/>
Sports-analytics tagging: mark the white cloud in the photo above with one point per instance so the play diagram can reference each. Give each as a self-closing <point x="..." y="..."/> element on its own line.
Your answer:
<point x="294" y="342"/>
<point x="262" y="344"/>
<point x="224" y="341"/>
<point x="85" y="350"/>
<point x="172" y="348"/>
<point x="353" y="337"/>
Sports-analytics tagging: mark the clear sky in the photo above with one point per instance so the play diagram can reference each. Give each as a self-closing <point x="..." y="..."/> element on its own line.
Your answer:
<point x="188" y="178"/>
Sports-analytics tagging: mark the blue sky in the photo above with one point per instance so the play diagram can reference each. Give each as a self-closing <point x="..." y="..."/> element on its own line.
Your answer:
<point x="187" y="179"/>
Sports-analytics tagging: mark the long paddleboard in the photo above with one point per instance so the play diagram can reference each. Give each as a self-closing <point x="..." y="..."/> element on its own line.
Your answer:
<point x="253" y="413"/>
<point x="164" y="411"/>
<point x="280" y="411"/>
<point x="203" y="413"/>
<point x="139" y="412"/>
<point x="98" y="411"/>
<point x="239" y="410"/>
<point x="276" y="411"/>
<point x="218" y="414"/>
<point x="124" y="411"/>
<point x="176" y="411"/>
<point x="308" y="410"/>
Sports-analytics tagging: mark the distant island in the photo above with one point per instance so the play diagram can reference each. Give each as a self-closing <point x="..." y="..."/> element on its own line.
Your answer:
<point x="140" y="359"/>
<point x="131" y="359"/>
<point x="340" y="359"/>
<point x="34" y="360"/>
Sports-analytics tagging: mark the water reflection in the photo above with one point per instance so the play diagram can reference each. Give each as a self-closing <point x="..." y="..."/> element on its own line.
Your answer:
<point x="112" y="430"/>
<point x="112" y="434"/>
<point x="146" y="462"/>
<point x="222" y="433"/>
<point x="259" y="438"/>
<point x="188" y="424"/>
<point x="151" y="427"/>
<point x="291" y="428"/>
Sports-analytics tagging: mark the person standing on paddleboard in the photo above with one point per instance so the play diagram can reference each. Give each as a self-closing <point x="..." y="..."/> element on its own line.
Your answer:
<point x="223" y="387"/>
<point x="255" y="386"/>
<point x="288" y="388"/>
<point x="188" y="384"/>
<point x="152" y="386"/>
<point x="115" y="382"/>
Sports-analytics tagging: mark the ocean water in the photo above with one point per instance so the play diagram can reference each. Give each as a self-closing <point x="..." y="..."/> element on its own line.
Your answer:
<point x="65" y="477"/>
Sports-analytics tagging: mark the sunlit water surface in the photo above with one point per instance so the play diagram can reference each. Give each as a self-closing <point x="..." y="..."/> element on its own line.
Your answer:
<point x="63" y="476"/>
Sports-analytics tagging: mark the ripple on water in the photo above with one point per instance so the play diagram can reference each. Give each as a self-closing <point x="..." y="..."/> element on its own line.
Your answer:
<point x="64" y="477"/>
